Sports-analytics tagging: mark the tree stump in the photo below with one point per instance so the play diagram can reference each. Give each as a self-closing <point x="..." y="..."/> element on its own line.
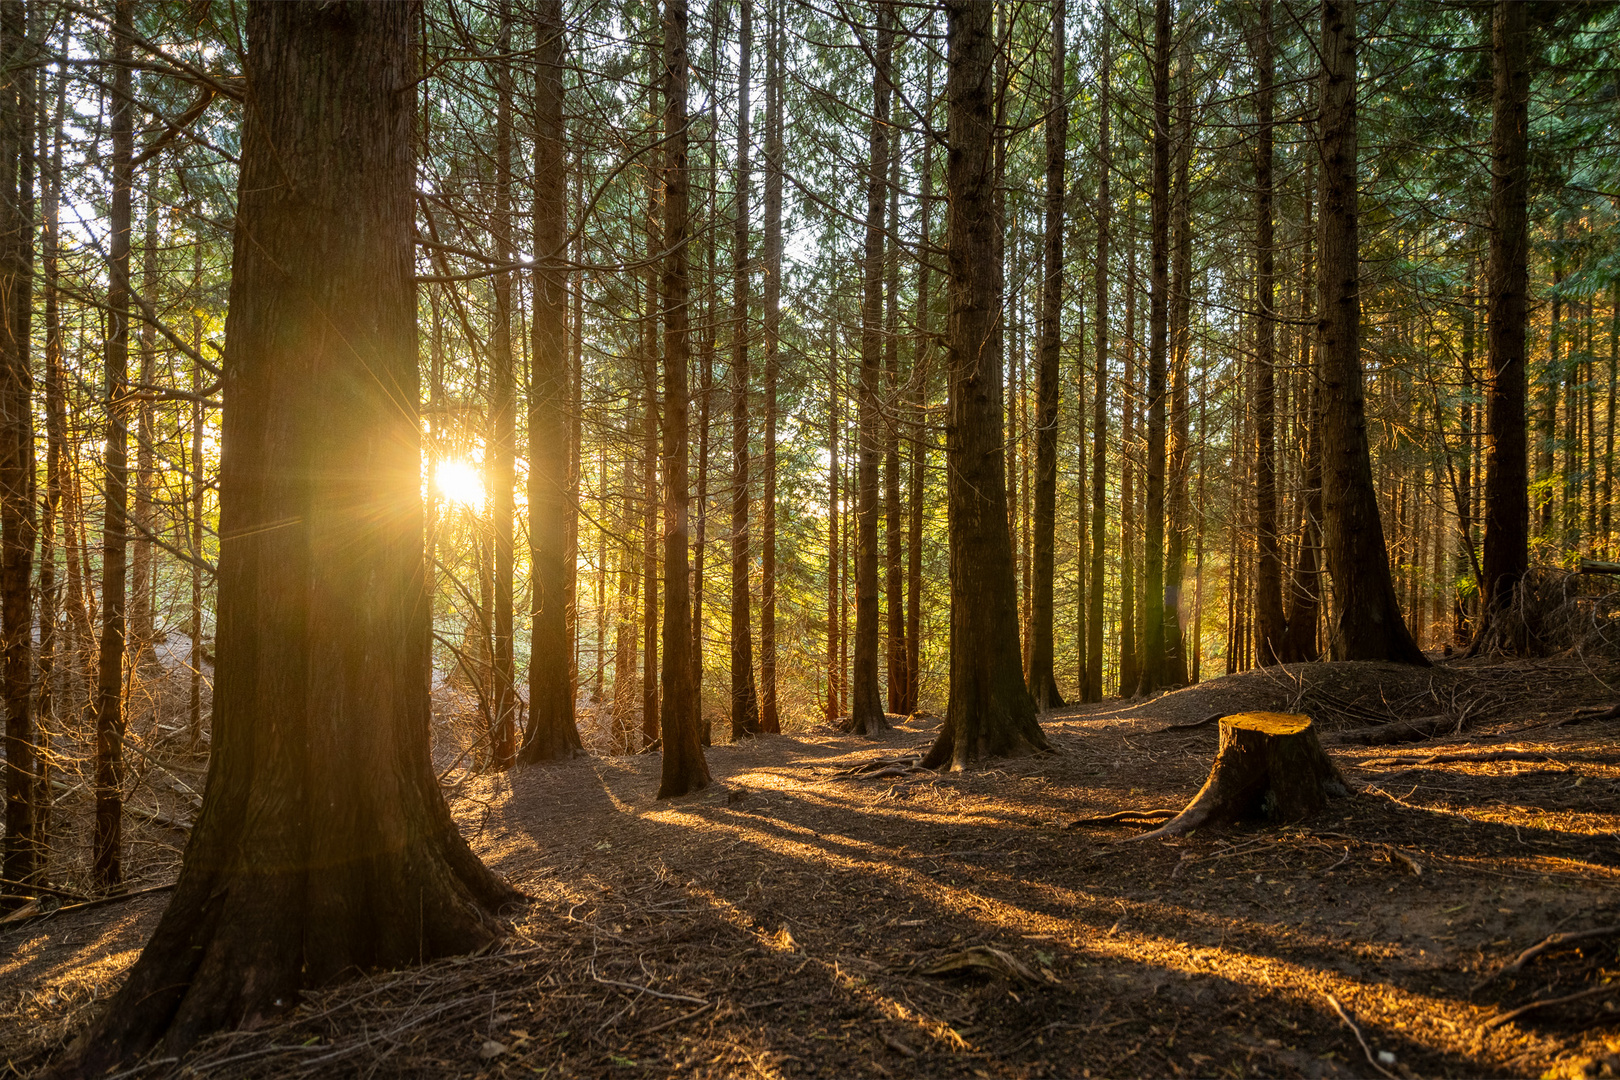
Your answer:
<point x="1269" y="766"/>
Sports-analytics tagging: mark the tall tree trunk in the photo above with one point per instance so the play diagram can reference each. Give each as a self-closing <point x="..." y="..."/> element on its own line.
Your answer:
<point x="1270" y="622"/>
<point x="706" y="372"/>
<point x="769" y="720"/>
<point x="1130" y="672"/>
<point x="503" y="419"/>
<point x="866" y="715"/>
<point x="921" y="367"/>
<point x="1042" y="684"/>
<point x="684" y="769"/>
<point x="650" y="495"/>
<point x="1099" y="406"/>
<point x="107" y="843"/>
<point x="1507" y="510"/>
<point x="1369" y="624"/>
<point x="141" y="623"/>
<point x="990" y="712"/>
<point x="893" y="532"/>
<point x="1153" y="615"/>
<point x="52" y="509"/>
<point x="1299" y="641"/>
<point x="1174" y="672"/>
<point x="552" y="733"/>
<point x="199" y="495"/>
<point x="744" y="697"/>
<point x="834" y="555"/>
<point x="323" y="844"/>
<point x="24" y="843"/>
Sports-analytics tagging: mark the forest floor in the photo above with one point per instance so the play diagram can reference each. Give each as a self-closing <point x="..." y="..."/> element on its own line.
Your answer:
<point x="798" y="919"/>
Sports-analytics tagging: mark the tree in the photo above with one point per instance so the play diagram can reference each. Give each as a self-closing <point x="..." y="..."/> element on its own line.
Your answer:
<point x="744" y="696"/>
<point x="1507" y="503"/>
<point x="866" y="715"/>
<point x="990" y="711"/>
<point x="1042" y="684"/>
<point x="1270" y="621"/>
<point x="109" y="694"/>
<point x="1153" y="614"/>
<point x="1369" y="626"/>
<point x="1093" y="690"/>
<point x="323" y="843"/>
<point x="24" y="842"/>
<point x="769" y="719"/>
<point x="503" y="418"/>
<point x="684" y="769"/>
<point x="552" y="734"/>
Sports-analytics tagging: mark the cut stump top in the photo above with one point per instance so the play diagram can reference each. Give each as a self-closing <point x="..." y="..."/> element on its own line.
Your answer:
<point x="1268" y="723"/>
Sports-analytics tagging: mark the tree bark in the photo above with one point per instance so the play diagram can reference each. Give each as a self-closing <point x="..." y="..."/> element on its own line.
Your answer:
<point x="770" y="721"/>
<point x="1153" y="615"/>
<point x="323" y="844"/>
<point x="1174" y="672"/>
<point x="834" y="554"/>
<point x="990" y="712"/>
<point x="1507" y="505"/>
<point x="1042" y="683"/>
<point x="1369" y="623"/>
<point x="24" y="854"/>
<point x="894" y="604"/>
<point x="744" y="696"/>
<point x="107" y="842"/>
<point x="1270" y="622"/>
<point x="503" y="419"/>
<point x="552" y="733"/>
<point x="684" y="769"/>
<point x="1130" y="672"/>
<point x="1093" y="690"/>
<point x="1304" y="593"/>
<point x="866" y="714"/>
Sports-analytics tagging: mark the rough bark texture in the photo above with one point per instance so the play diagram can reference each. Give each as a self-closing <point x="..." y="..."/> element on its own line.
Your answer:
<point x="1177" y="511"/>
<point x="1269" y="766"/>
<point x="1304" y="594"/>
<point x="866" y="713"/>
<point x="770" y="721"/>
<point x="1153" y="630"/>
<point x="1042" y="684"/>
<point x="990" y="711"/>
<point x="1369" y="624"/>
<point x="1507" y="507"/>
<point x="744" y="697"/>
<point x="552" y="734"/>
<point x="24" y="847"/>
<point x="684" y="768"/>
<point x="1269" y="620"/>
<point x="107" y="843"/>
<point x="1093" y="690"/>
<point x="323" y="844"/>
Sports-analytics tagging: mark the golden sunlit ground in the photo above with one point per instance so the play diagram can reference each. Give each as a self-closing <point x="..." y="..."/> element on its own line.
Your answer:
<point x="798" y="920"/>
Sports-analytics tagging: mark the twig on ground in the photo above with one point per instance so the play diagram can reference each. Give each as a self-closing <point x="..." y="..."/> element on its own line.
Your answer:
<point x="1514" y="1014"/>
<point x="1551" y="941"/>
<point x="1360" y="1038"/>
<point x="1124" y="817"/>
<point x="1205" y="722"/>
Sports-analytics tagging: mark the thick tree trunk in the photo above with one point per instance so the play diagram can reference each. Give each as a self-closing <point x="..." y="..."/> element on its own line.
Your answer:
<point x="1042" y="684"/>
<point x="1304" y="593"/>
<point x="552" y="733"/>
<point x="24" y="843"/>
<point x="1178" y="508"/>
<point x="990" y="712"/>
<point x="770" y="721"/>
<point x="323" y="845"/>
<point x="1507" y="508"/>
<point x="744" y="697"/>
<point x="1270" y="622"/>
<point x="1153" y="615"/>
<point x="1130" y="671"/>
<point x="684" y="769"/>
<point x="866" y="713"/>
<point x="894" y="605"/>
<point x="107" y="842"/>
<point x="1369" y="624"/>
<point x="1269" y="766"/>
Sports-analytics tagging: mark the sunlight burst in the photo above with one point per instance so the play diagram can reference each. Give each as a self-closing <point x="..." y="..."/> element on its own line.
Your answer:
<point x="460" y="481"/>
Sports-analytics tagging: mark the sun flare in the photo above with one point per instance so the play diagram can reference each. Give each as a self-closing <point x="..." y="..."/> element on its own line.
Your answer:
<point x="459" y="481"/>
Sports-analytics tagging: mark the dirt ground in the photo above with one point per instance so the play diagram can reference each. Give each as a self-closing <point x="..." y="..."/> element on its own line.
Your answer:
<point x="798" y="920"/>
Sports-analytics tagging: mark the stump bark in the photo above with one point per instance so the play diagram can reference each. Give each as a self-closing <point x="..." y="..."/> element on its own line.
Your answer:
<point x="1270" y="766"/>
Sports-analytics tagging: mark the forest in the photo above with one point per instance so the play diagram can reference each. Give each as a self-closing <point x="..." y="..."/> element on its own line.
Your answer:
<point x="809" y="538"/>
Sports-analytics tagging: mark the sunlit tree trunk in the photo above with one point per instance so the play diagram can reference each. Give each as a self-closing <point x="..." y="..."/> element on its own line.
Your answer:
<point x="1153" y="615"/>
<point x="1099" y="408"/>
<point x="769" y="720"/>
<point x="1270" y="621"/>
<point x="744" y="697"/>
<point x="503" y="419"/>
<point x="323" y="844"/>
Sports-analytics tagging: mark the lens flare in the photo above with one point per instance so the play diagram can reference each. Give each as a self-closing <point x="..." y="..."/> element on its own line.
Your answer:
<point x="459" y="481"/>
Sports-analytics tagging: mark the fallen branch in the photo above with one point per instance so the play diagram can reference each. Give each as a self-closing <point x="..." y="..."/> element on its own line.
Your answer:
<point x="1589" y="992"/>
<point x="1204" y="723"/>
<point x="1590" y="713"/>
<point x="1594" y="566"/>
<point x="1124" y="817"/>
<point x="1552" y="941"/>
<point x="649" y="990"/>
<point x="1445" y="759"/>
<point x="68" y="909"/>
<point x="1360" y="1038"/>
<point x="1425" y="727"/>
